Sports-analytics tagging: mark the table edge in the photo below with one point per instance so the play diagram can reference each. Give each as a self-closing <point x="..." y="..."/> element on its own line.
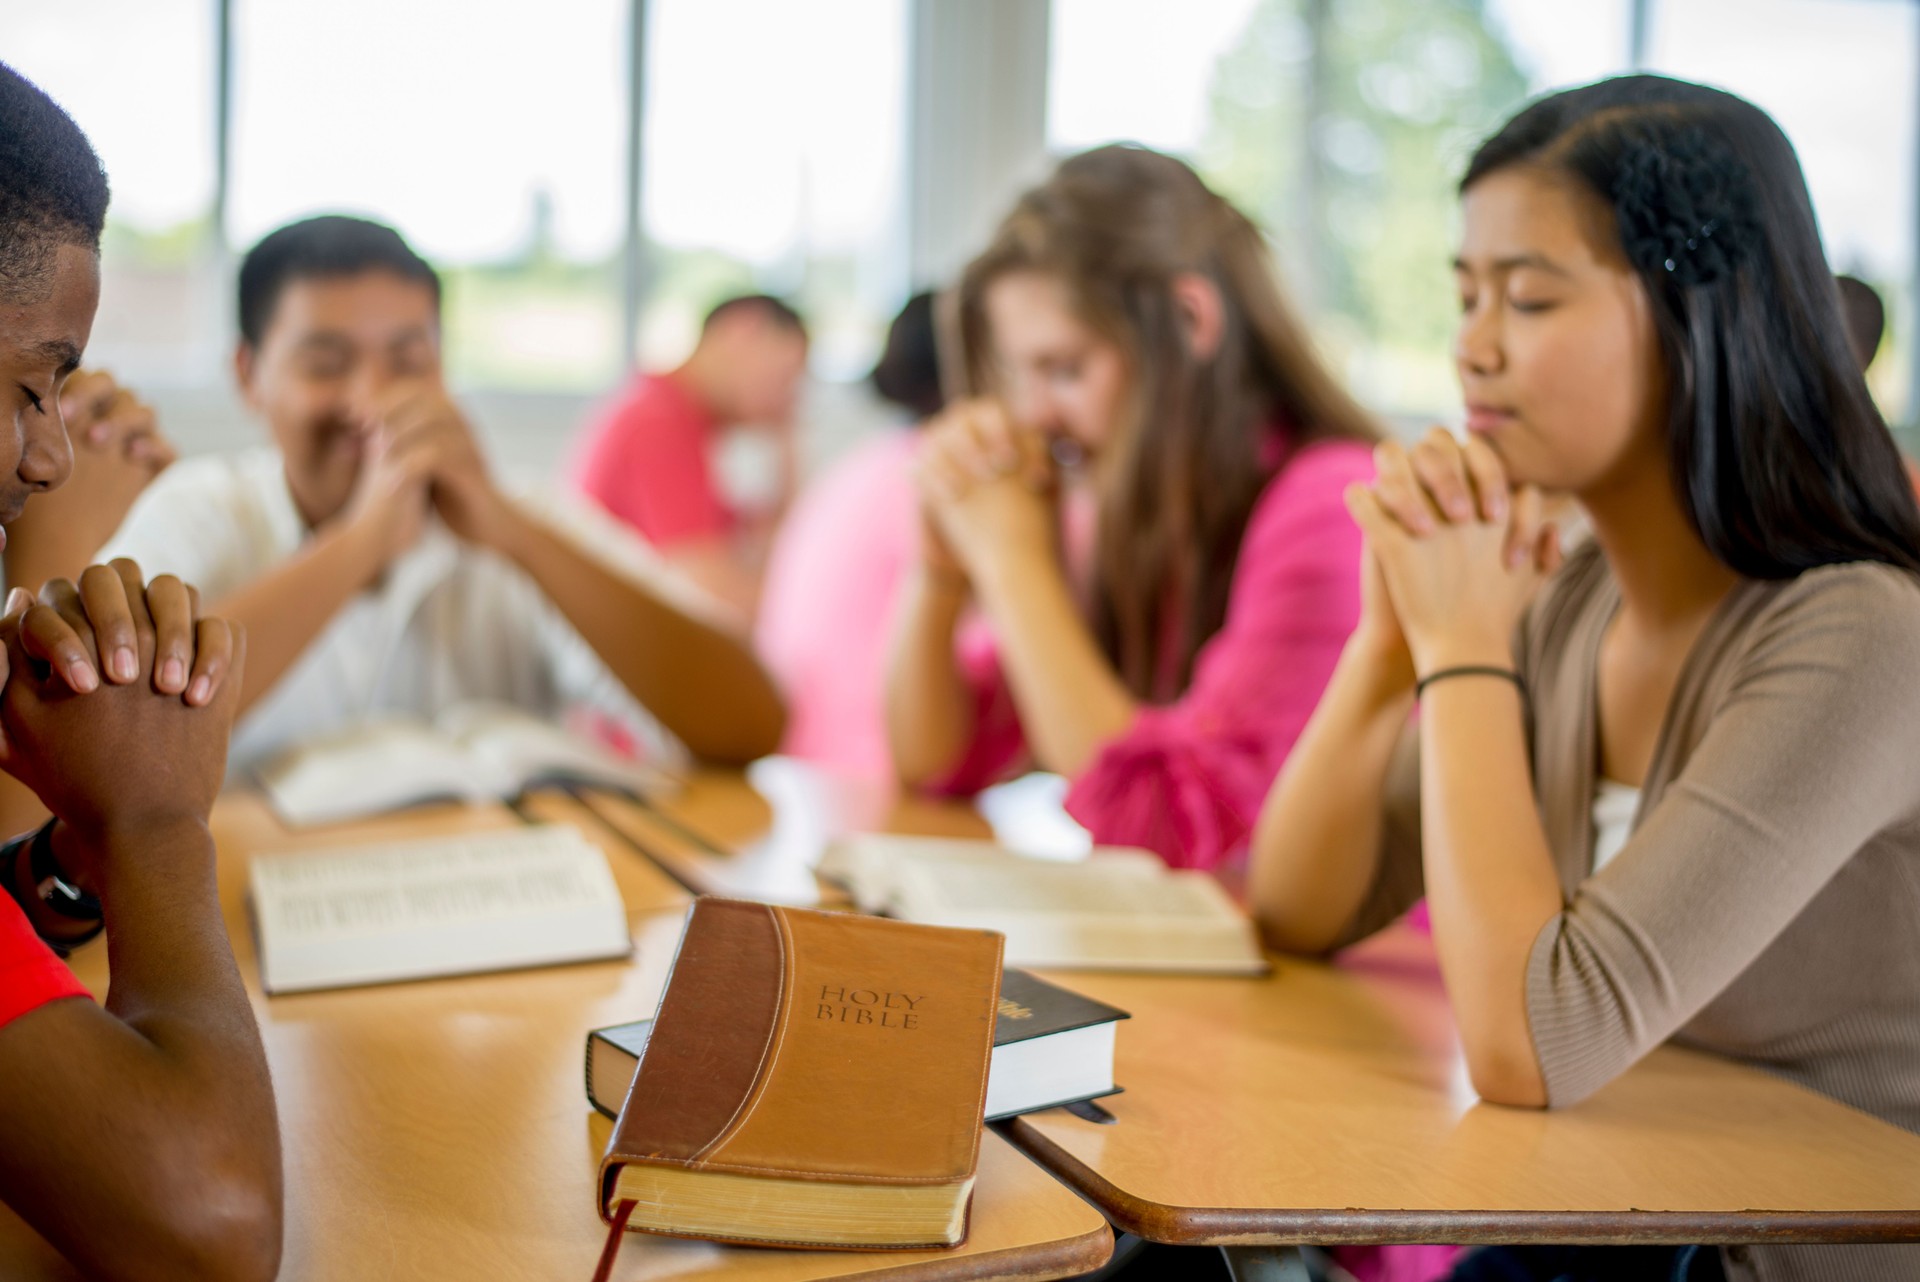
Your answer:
<point x="1066" y="1258"/>
<point x="1246" y="1226"/>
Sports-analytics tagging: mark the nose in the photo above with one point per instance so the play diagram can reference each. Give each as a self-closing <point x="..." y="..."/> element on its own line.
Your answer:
<point x="1031" y="404"/>
<point x="46" y="455"/>
<point x="1476" y="344"/>
<point x="369" y="381"/>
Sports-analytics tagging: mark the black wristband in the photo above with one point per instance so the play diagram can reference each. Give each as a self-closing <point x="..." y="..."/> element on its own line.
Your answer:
<point x="1470" y="670"/>
<point x="55" y="891"/>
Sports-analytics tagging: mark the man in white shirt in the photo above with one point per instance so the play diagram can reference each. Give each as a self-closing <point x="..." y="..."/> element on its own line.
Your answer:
<point x="377" y="567"/>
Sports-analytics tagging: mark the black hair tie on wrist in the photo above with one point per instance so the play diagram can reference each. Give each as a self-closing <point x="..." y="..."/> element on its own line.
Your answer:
<point x="1471" y="670"/>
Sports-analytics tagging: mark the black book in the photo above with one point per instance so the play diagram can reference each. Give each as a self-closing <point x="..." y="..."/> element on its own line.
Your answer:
<point x="1050" y="1047"/>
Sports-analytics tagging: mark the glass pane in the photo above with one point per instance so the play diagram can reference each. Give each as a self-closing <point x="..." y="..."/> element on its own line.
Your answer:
<point x="1348" y="141"/>
<point x="495" y="146"/>
<point x="1840" y="77"/>
<point x="138" y="77"/>
<point x="1558" y="45"/>
<point x="1136" y="70"/>
<point x="774" y="164"/>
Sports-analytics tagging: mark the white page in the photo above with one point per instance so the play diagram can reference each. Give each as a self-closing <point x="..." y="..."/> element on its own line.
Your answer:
<point x="871" y="865"/>
<point x="525" y="749"/>
<point x="370" y="769"/>
<point x="521" y="897"/>
<point x="1100" y="913"/>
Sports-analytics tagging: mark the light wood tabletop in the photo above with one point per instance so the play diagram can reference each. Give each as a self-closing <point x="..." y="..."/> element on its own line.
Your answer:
<point x="1330" y="1103"/>
<point x="441" y="1129"/>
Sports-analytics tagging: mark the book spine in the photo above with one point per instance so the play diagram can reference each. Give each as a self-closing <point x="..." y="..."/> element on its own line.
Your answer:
<point x="708" y="1052"/>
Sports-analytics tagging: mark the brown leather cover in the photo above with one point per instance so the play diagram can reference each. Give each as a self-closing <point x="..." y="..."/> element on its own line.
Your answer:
<point x="815" y="1046"/>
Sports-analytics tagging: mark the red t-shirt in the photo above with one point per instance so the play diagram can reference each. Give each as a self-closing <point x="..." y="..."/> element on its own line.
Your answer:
<point x="646" y="460"/>
<point x="30" y="975"/>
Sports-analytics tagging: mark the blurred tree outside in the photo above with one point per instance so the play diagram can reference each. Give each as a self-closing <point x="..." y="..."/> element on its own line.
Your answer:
<point x="1393" y="96"/>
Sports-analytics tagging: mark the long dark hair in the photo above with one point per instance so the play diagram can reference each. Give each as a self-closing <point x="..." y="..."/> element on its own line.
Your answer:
<point x="1781" y="461"/>
<point x="1116" y="225"/>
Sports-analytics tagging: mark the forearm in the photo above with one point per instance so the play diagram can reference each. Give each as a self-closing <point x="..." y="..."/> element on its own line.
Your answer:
<point x="1316" y="847"/>
<point x="1491" y="884"/>
<point x="286" y="608"/>
<point x="20" y="810"/>
<point x="930" y="716"/>
<point x="40" y="550"/>
<point x="700" y="680"/>
<point x="162" y="1121"/>
<point x="1071" y="701"/>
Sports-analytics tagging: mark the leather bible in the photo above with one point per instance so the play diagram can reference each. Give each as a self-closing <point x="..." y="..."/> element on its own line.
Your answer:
<point x="812" y="1080"/>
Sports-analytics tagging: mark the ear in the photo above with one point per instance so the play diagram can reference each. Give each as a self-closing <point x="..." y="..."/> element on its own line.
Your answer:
<point x="1202" y="313"/>
<point x="244" y="359"/>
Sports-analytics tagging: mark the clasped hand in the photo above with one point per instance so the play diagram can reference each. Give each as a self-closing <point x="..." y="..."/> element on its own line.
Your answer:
<point x="1454" y="552"/>
<point x="118" y="699"/>
<point x="988" y="490"/>
<point x="421" y="455"/>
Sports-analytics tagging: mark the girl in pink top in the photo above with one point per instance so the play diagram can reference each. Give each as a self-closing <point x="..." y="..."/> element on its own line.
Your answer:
<point x="1124" y="349"/>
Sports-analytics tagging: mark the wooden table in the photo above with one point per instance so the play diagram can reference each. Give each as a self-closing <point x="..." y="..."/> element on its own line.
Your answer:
<point x="441" y="1129"/>
<point x="1330" y="1104"/>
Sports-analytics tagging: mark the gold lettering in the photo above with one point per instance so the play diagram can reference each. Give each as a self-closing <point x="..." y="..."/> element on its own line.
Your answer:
<point x="1014" y="1010"/>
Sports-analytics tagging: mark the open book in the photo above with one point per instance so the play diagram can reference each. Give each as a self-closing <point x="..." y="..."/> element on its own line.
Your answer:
<point x="1116" y="909"/>
<point x="520" y="897"/>
<point x="474" y="752"/>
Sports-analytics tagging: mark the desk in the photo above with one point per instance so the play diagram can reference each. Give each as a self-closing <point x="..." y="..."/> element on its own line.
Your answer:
<point x="1330" y="1104"/>
<point x="441" y="1130"/>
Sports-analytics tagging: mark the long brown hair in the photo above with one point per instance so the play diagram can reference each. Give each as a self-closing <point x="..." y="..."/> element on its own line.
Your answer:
<point x="1116" y="225"/>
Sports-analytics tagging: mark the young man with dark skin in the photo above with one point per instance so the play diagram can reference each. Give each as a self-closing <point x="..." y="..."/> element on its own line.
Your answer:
<point x="140" y="1136"/>
<point x="648" y="458"/>
<point x="374" y="562"/>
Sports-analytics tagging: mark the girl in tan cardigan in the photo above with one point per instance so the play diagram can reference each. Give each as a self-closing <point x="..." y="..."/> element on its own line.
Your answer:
<point x="1669" y="789"/>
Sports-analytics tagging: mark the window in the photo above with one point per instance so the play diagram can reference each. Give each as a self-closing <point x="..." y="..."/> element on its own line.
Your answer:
<point x="1558" y="46"/>
<point x="775" y="164"/>
<point x="1839" y="76"/>
<point x="138" y="76"/>
<point x="1137" y="70"/>
<point x="495" y="146"/>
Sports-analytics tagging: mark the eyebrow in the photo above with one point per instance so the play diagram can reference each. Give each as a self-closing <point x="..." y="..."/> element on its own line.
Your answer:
<point x="333" y="342"/>
<point x="64" y="355"/>
<point x="1539" y="262"/>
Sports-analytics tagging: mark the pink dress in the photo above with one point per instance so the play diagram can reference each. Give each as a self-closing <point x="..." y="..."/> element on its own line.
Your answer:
<point x="826" y="610"/>
<point x="646" y="459"/>
<point x="1187" y="778"/>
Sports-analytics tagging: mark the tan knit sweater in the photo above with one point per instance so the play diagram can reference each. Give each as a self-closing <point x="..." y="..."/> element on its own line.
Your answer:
<point x="1767" y="906"/>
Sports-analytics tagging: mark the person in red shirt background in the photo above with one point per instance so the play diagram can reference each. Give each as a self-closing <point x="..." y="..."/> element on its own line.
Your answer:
<point x="648" y="458"/>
